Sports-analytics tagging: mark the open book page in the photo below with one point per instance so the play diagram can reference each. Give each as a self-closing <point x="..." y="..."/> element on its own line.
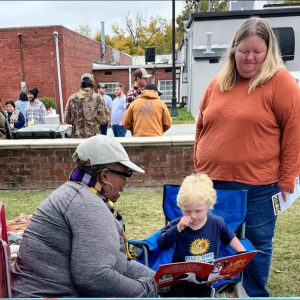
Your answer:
<point x="279" y="205"/>
<point x="202" y="273"/>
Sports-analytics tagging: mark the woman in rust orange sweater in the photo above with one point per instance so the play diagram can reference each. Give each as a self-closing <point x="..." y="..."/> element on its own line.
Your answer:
<point x="248" y="136"/>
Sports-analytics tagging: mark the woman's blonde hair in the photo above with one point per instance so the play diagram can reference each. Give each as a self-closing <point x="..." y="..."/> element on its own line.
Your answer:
<point x="272" y="63"/>
<point x="195" y="189"/>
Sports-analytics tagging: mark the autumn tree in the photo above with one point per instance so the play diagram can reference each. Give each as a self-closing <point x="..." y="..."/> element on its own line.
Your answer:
<point x="85" y="30"/>
<point x="197" y="6"/>
<point x="139" y="33"/>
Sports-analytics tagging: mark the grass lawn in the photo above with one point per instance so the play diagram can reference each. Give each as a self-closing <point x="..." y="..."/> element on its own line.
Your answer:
<point x="143" y="215"/>
<point x="184" y="117"/>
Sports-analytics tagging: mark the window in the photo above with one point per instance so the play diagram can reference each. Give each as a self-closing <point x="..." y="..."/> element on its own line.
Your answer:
<point x="110" y="90"/>
<point x="166" y="87"/>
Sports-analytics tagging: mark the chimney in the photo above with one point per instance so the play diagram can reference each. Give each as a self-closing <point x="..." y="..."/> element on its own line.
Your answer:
<point x="102" y="40"/>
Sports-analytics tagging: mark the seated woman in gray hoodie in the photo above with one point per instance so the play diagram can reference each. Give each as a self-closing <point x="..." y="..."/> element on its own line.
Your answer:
<point x="75" y="244"/>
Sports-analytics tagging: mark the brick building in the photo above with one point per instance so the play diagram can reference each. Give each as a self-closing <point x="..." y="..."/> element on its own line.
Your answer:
<point x="28" y="58"/>
<point x="162" y="77"/>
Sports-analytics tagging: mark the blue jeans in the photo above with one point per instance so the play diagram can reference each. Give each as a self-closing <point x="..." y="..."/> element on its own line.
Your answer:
<point x="103" y="129"/>
<point x="118" y="130"/>
<point x="260" y="228"/>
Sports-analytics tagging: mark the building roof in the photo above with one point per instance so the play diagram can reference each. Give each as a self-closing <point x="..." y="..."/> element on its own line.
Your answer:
<point x="244" y="14"/>
<point x="97" y="66"/>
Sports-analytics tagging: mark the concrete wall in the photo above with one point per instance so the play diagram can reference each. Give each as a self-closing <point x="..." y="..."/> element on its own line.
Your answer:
<point x="223" y="27"/>
<point x="47" y="163"/>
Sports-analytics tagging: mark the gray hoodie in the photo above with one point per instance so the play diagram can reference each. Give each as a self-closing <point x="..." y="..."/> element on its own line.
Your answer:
<point x="73" y="247"/>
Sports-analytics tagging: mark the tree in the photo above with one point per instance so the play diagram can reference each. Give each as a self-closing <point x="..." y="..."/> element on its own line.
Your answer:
<point x="197" y="6"/>
<point x="84" y="30"/>
<point x="137" y="34"/>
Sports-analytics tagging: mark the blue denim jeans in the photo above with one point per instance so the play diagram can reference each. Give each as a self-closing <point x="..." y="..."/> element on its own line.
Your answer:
<point x="103" y="129"/>
<point x="260" y="228"/>
<point x="118" y="130"/>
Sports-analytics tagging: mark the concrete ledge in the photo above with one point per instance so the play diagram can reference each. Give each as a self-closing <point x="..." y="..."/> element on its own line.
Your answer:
<point x="184" y="140"/>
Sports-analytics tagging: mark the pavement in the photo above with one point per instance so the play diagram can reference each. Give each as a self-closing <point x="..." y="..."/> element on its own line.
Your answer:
<point x="176" y="129"/>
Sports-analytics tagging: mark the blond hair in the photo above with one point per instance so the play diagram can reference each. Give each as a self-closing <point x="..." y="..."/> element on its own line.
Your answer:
<point x="272" y="63"/>
<point x="195" y="189"/>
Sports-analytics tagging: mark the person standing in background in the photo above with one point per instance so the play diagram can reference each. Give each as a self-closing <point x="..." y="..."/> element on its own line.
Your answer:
<point x="2" y="122"/>
<point x="22" y="102"/>
<point x="86" y="110"/>
<point x="248" y="136"/>
<point x="108" y="101"/>
<point x="118" y="110"/>
<point x="35" y="111"/>
<point x="14" y="117"/>
<point x="140" y="80"/>
<point x="148" y="115"/>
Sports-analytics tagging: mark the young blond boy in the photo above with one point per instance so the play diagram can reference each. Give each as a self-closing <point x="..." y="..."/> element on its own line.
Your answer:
<point x="197" y="235"/>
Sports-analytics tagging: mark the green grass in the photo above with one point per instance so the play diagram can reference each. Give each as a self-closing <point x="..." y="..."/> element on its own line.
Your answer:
<point x="142" y="211"/>
<point x="184" y="117"/>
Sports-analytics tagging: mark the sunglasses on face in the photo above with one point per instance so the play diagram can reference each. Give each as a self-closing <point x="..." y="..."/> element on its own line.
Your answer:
<point x="125" y="174"/>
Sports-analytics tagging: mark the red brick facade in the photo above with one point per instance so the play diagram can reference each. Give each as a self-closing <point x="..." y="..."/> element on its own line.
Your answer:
<point x="49" y="168"/>
<point x="122" y="75"/>
<point x="35" y="60"/>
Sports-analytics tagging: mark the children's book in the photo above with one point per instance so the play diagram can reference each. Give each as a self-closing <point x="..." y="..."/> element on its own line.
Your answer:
<point x="201" y="272"/>
<point x="279" y="205"/>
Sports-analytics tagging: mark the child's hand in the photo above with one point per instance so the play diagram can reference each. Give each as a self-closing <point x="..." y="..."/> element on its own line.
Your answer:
<point x="184" y="222"/>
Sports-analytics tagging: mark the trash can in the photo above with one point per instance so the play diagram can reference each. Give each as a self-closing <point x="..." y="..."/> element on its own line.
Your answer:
<point x="45" y="131"/>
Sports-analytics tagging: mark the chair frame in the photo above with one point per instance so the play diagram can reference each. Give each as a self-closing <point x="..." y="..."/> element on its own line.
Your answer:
<point x="6" y="261"/>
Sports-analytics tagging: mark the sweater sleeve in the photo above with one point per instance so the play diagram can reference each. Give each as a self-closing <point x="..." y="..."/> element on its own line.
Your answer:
<point x="166" y="120"/>
<point x="169" y="235"/>
<point x="99" y="268"/>
<point x="21" y="121"/>
<point x="199" y="124"/>
<point x="128" y="118"/>
<point x="286" y="107"/>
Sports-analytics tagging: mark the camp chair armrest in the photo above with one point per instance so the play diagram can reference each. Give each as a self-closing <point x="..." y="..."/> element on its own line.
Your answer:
<point x="143" y="246"/>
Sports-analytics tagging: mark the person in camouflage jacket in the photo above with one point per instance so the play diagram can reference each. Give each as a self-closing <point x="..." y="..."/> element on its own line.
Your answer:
<point x="86" y="110"/>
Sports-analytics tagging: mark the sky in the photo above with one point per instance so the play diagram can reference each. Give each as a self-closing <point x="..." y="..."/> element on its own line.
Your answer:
<point x="71" y="14"/>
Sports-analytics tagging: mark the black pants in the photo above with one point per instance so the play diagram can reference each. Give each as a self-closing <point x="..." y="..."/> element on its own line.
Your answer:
<point x="188" y="289"/>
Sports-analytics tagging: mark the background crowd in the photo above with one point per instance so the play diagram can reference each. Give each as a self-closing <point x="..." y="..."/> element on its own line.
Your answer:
<point x="91" y="111"/>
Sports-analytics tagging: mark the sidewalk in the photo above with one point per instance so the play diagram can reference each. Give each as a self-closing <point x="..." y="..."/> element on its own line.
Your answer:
<point x="176" y="129"/>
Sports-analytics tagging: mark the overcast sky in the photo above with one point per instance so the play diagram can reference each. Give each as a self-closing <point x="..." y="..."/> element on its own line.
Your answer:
<point x="71" y="14"/>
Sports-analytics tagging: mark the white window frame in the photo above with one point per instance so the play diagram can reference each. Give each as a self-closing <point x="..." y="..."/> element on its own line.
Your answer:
<point x="110" y="90"/>
<point x="167" y="93"/>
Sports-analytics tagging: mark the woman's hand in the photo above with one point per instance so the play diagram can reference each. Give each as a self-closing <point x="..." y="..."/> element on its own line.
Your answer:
<point x="12" y="126"/>
<point x="184" y="222"/>
<point x="285" y="194"/>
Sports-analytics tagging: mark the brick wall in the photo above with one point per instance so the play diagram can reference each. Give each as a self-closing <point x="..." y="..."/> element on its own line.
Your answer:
<point x="35" y="61"/>
<point x="163" y="161"/>
<point x="122" y="75"/>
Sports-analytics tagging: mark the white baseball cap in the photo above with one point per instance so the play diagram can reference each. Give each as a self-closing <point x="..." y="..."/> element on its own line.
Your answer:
<point x="102" y="149"/>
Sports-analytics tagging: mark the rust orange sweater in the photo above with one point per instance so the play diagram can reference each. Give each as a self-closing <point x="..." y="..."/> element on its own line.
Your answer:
<point x="253" y="139"/>
<point x="147" y="115"/>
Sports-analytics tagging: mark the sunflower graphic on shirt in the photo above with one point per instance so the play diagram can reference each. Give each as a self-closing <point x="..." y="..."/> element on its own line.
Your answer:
<point x="199" y="246"/>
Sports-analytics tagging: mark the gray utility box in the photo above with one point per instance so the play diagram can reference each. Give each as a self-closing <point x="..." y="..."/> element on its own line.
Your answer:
<point x="47" y="131"/>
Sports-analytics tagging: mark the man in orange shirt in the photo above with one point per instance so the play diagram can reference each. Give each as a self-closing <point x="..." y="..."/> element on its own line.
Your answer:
<point x="148" y="115"/>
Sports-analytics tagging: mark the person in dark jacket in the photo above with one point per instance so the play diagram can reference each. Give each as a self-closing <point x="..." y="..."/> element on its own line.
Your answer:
<point x="14" y="117"/>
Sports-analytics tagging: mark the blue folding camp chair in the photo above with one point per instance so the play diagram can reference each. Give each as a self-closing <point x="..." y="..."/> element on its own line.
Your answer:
<point x="231" y="205"/>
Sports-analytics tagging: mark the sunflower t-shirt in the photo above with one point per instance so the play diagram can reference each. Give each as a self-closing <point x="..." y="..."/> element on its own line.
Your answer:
<point x="200" y="245"/>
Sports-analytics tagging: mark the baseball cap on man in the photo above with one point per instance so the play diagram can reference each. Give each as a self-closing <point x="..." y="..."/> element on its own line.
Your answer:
<point x="102" y="86"/>
<point x="141" y="73"/>
<point x="153" y="87"/>
<point x="102" y="149"/>
<point x="87" y="77"/>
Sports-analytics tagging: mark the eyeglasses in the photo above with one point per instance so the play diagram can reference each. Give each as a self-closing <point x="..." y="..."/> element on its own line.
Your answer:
<point x="125" y="174"/>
